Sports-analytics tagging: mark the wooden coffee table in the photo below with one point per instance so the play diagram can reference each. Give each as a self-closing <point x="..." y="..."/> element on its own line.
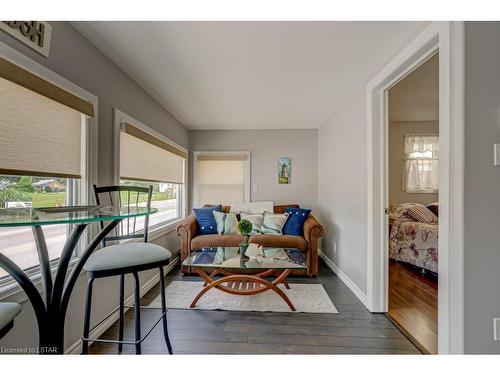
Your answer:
<point x="230" y="263"/>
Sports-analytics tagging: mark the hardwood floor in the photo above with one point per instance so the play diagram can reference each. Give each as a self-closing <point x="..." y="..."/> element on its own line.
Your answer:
<point x="353" y="331"/>
<point x="413" y="304"/>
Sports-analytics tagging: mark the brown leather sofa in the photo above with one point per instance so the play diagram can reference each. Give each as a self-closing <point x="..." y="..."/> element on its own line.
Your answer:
<point x="187" y="230"/>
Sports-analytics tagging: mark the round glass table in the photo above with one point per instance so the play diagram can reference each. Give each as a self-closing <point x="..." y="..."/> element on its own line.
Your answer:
<point x="50" y="305"/>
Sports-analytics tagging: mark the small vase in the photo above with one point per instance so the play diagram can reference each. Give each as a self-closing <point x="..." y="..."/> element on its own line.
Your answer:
<point x="243" y="247"/>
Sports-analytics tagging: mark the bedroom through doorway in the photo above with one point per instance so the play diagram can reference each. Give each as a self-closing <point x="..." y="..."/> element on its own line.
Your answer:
<point x="413" y="160"/>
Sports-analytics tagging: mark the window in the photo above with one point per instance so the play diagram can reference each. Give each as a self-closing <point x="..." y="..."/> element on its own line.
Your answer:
<point x="221" y="177"/>
<point x="27" y="191"/>
<point x="166" y="198"/>
<point x="421" y="163"/>
<point x="43" y="158"/>
<point x="149" y="159"/>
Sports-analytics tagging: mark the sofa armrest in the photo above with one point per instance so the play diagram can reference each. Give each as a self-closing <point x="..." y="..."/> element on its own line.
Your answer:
<point x="312" y="232"/>
<point x="189" y="224"/>
<point x="187" y="230"/>
<point x="312" y="229"/>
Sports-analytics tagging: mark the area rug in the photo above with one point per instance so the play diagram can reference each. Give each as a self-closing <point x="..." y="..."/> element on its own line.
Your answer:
<point x="310" y="298"/>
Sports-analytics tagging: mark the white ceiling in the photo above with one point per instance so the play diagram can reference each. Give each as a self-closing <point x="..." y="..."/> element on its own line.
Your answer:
<point x="416" y="97"/>
<point x="250" y="75"/>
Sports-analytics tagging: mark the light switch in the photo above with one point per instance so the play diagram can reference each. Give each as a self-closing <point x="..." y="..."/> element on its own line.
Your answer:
<point x="496" y="154"/>
<point x="496" y="329"/>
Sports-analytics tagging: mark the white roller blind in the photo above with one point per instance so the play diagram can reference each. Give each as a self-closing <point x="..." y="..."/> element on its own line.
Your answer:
<point x="221" y="179"/>
<point x="39" y="136"/>
<point x="144" y="161"/>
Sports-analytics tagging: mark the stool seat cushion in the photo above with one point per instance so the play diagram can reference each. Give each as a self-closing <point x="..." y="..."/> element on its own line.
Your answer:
<point x="126" y="255"/>
<point x="8" y="311"/>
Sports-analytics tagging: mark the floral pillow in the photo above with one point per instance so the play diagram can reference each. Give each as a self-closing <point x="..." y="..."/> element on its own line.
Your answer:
<point x="255" y="219"/>
<point x="274" y="223"/>
<point x="226" y="223"/>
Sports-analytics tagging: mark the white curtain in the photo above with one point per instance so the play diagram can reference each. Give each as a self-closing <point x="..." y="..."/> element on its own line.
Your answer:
<point x="421" y="163"/>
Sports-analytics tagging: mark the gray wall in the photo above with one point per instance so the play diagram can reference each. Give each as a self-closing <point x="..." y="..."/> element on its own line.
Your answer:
<point x="397" y="131"/>
<point x="342" y="187"/>
<point x="74" y="58"/>
<point x="482" y="186"/>
<point x="266" y="146"/>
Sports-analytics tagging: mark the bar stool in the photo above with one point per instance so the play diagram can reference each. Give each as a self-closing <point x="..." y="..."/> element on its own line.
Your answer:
<point x="8" y="311"/>
<point x="126" y="258"/>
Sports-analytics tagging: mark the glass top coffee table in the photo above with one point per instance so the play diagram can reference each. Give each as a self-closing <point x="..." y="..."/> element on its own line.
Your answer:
<point x="232" y="264"/>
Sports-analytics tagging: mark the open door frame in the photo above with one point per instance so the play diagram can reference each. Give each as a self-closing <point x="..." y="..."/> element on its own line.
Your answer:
<point x="448" y="38"/>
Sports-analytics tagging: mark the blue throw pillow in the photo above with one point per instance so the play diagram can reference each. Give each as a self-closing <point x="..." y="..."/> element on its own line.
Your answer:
<point x="294" y="226"/>
<point x="206" y="220"/>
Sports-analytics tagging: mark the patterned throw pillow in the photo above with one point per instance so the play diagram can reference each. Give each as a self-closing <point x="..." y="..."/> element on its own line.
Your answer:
<point x="274" y="223"/>
<point x="226" y="223"/>
<point x="255" y="219"/>
<point x="422" y="214"/>
<point x="295" y="224"/>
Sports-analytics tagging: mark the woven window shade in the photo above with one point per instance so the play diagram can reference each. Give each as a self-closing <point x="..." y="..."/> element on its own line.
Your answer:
<point x="144" y="157"/>
<point x="39" y="136"/>
<point x="221" y="178"/>
<point x="32" y="82"/>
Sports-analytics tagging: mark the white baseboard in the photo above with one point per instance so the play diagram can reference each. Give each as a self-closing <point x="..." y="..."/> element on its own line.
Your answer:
<point x="76" y="347"/>
<point x="346" y="279"/>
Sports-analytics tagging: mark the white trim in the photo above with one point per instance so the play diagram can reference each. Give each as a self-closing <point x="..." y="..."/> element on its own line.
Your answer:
<point x="247" y="171"/>
<point x="8" y="53"/>
<point x="120" y="117"/>
<point x="76" y="347"/>
<point x="448" y="38"/>
<point x="346" y="279"/>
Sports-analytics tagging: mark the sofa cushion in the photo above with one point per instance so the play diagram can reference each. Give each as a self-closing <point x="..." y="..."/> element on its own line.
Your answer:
<point x="296" y="218"/>
<point x="270" y="240"/>
<point x="255" y="219"/>
<point x="273" y="223"/>
<point x="226" y="223"/>
<point x="206" y="220"/>
<point x="215" y="240"/>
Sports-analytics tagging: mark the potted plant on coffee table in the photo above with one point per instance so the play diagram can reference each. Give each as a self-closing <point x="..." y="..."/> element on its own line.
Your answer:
<point x="244" y="228"/>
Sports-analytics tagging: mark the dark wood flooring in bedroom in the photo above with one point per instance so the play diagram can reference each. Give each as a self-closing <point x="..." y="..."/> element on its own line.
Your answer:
<point x="353" y="331"/>
<point x="413" y="304"/>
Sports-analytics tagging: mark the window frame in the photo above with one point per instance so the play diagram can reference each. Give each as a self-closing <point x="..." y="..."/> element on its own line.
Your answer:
<point x="120" y="117"/>
<point x="247" y="172"/>
<point x="8" y="286"/>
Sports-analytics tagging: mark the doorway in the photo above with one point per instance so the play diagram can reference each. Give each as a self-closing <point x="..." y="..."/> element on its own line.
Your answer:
<point x="447" y="38"/>
<point x="413" y="213"/>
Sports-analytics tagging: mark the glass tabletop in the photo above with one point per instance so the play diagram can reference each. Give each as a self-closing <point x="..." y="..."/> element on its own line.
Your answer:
<point x="231" y="258"/>
<point x="18" y="217"/>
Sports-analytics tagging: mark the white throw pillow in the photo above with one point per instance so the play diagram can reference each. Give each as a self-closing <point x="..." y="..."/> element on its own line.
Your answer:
<point x="255" y="219"/>
<point x="226" y="223"/>
<point x="274" y="223"/>
<point x="252" y="207"/>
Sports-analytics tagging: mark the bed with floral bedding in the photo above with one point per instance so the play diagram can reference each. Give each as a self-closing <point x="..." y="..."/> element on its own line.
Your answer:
<point x="413" y="235"/>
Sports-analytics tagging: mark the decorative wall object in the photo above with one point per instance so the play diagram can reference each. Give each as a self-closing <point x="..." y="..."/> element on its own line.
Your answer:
<point x="35" y="34"/>
<point x="284" y="170"/>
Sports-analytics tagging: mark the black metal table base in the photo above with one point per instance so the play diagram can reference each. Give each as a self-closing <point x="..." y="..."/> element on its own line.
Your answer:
<point x="51" y="310"/>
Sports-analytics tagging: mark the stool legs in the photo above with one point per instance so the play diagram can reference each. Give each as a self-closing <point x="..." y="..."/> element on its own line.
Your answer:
<point x="137" y="309"/>
<point x="164" y="311"/>
<point x="121" y="311"/>
<point x="86" y="322"/>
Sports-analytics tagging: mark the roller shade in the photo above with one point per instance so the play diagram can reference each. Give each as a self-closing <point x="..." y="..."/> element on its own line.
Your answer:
<point x="32" y="82"/>
<point x="39" y="136"/>
<point x="221" y="178"/>
<point x="144" y="157"/>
